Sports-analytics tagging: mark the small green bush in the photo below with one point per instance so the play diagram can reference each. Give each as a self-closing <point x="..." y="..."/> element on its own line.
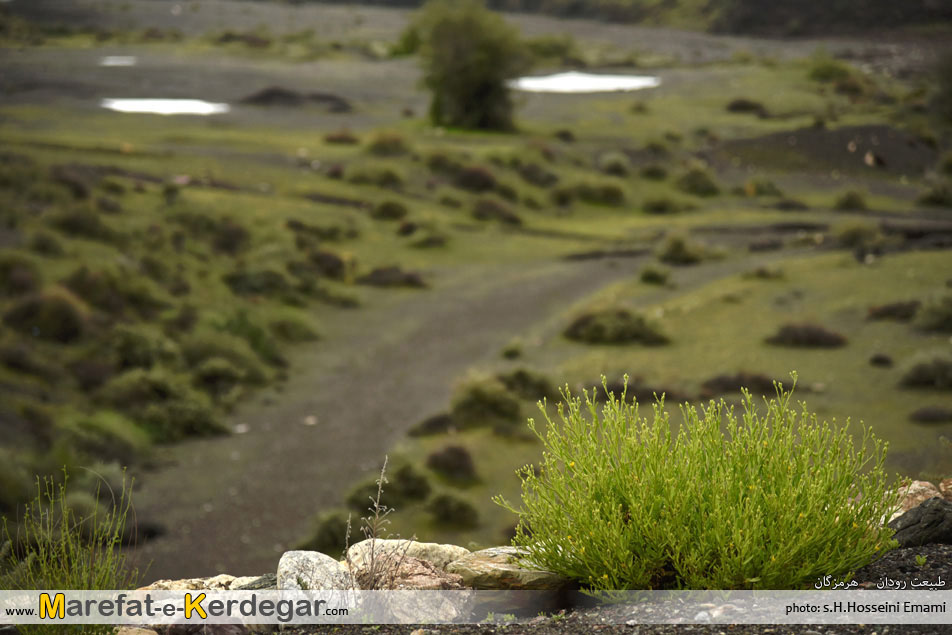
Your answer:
<point x="600" y="193"/>
<point x="482" y="401"/>
<point x="654" y="172"/>
<point x="200" y="346"/>
<point x="775" y="502"/>
<point x="450" y="510"/>
<point x="380" y="176"/>
<point x="405" y="486"/>
<point x="56" y="548"/>
<point x="939" y="195"/>
<point x="857" y="234"/>
<point x="258" y="338"/>
<point x="293" y="330"/>
<point x="851" y="201"/>
<point x="529" y="384"/>
<point x="55" y="315"/>
<point x="141" y="347"/>
<point x="453" y="462"/>
<point x="936" y="314"/>
<point x="475" y="178"/>
<point x="388" y="144"/>
<point x="614" y="163"/>
<point x="823" y="68"/>
<point x="46" y="244"/>
<point x="806" y="336"/>
<point x="697" y="182"/>
<point x="928" y="370"/>
<point x="329" y="535"/>
<point x="389" y="210"/>
<point x="19" y="275"/>
<point x="662" y="206"/>
<point x="615" y="326"/>
<point x="655" y="274"/>
<point x="680" y="250"/>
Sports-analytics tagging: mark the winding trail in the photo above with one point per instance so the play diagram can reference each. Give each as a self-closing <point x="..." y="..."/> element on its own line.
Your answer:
<point x="236" y="503"/>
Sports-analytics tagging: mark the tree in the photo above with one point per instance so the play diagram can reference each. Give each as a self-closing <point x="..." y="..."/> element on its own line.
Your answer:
<point x="468" y="53"/>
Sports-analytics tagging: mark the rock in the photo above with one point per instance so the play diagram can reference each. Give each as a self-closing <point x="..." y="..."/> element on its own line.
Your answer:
<point x="500" y="568"/>
<point x="913" y="495"/>
<point x="221" y="582"/>
<point x="135" y="630"/>
<point x="313" y="571"/>
<point x="434" y="553"/>
<point x="253" y="583"/>
<point x="945" y="487"/>
<point x="207" y="629"/>
<point x="397" y="572"/>
<point x="929" y="523"/>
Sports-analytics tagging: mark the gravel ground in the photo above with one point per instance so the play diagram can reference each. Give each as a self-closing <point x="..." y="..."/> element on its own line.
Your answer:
<point x="899" y="564"/>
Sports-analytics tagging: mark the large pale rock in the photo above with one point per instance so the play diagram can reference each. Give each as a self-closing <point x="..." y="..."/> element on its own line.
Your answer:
<point x="929" y="523"/>
<point x="135" y="630"/>
<point x="501" y="568"/>
<point x="312" y="571"/>
<point x="395" y="572"/>
<point x="221" y="582"/>
<point x="913" y="495"/>
<point x="945" y="486"/>
<point x="436" y="554"/>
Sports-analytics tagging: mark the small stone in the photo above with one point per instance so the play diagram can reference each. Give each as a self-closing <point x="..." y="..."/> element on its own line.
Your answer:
<point x="913" y="495"/>
<point x="217" y="583"/>
<point x="312" y="571"/>
<point x="945" y="487"/>
<point x="254" y="583"/>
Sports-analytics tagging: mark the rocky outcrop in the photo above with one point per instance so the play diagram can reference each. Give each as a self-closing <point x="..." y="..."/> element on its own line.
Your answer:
<point x="436" y="554"/>
<point x="913" y="495"/>
<point x="397" y="572"/>
<point x="929" y="523"/>
<point x="503" y="568"/>
<point x="223" y="582"/>
<point x="312" y="571"/>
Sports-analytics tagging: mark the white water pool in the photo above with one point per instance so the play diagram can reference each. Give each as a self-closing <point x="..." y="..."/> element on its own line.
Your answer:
<point x="576" y="82"/>
<point x="165" y="106"/>
<point x="118" y="60"/>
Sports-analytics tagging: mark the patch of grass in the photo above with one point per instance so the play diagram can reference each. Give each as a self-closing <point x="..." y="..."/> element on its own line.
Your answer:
<point x="491" y="209"/>
<point x="204" y="345"/>
<point x="615" y="504"/>
<point x="258" y="337"/>
<point x="806" y="336"/>
<point x="528" y="384"/>
<point x="654" y="172"/>
<point x="378" y="175"/>
<point x="115" y="292"/>
<point x="475" y="178"/>
<point x="898" y="311"/>
<point x="388" y="144"/>
<point x="857" y="234"/>
<point x="53" y="547"/>
<point x="615" y="326"/>
<point x="406" y="485"/>
<point x="608" y="194"/>
<point x="19" y="275"/>
<point x="389" y="210"/>
<point x="614" y="163"/>
<point x="663" y="205"/>
<point x="939" y="195"/>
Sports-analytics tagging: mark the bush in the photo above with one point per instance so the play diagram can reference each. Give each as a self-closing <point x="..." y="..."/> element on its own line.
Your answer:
<point x="654" y="274"/>
<point x="936" y="314"/>
<point x="899" y="311"/>
<point x="491" y="209"/>
<point x="654" y="172"/>
<point x="46" y="244"/>
<point x="928" y="370"/>
<point x="942" y="98"/>
<point x="680" y="250"/>
<point x="761" y="187"/>
<point x="115" y="292"/>
<point x="389" y="210"/>
<point x="600" y="193"/>
<point x="380" y="176"/>
<point x="806" y="336"/>
<point x="535" y="174"/>
<point x="293" y="330"/>
<point x="18" y="275"/>
<point x="82" y="223"/>
<point x="617" y="502"/>
<point x="263" y="282"/>
<point x="468" y="54"/>
<point x="528" y="384"/>
<point x="453" y="511"/>
<point x="329" y="535"/>
<point x="258" y="338"/>
<point x="341" y="137"/>
<point x="388" y="144"/>
<point x="475" y="178"/>
<point x="203" y="346"/>
<point x="857" y="235"/>
<point x="939" y="195"/>
<point x="454" y="462"/>
<point x="55" y="548"/>
<point x="747" y="106"/>
<point x="662" y="206"/>
<point x="484" y="402"/>
<point x="698" y="183"/>
<point x="824" y="68"/>
<point x="141" y="347"/>
<point x="406" y="485"/>
<point x="55" y="315"/>
<point x="614" y="163"/>
<point x="615" y="326"/>
<point x="851" y="201"/>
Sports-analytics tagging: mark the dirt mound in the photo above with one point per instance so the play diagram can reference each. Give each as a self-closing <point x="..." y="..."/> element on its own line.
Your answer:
<point x="287" y="98"/>
<point x="843" y="149"/>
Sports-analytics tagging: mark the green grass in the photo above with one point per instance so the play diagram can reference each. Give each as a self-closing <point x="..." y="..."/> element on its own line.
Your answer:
<point x="764" y="499"/>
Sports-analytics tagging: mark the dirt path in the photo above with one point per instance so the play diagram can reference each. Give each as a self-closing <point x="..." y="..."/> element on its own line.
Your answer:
<point x="234" y="504"/>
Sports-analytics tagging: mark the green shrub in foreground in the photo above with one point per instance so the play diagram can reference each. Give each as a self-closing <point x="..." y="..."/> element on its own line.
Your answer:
<point x="775" y="502"/>
<point x="54" y="547"/>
